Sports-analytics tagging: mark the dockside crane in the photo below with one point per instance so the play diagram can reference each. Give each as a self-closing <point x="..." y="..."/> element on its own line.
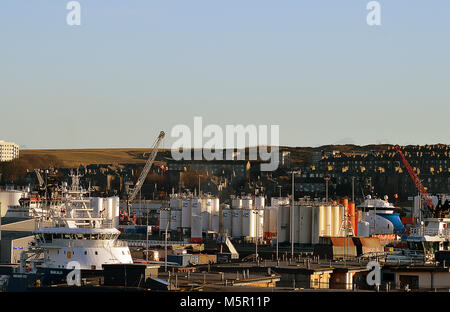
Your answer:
<point x="145" y="171"/>
<point x="417" y="182"/>
<point x="40" y="179"/>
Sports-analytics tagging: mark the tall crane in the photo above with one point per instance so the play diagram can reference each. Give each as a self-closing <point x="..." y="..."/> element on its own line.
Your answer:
<point x="145" y="171"/>
<point x="417" y="182"/>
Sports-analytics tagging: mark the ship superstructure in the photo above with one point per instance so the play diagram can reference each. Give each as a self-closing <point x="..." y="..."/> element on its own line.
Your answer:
<point x="75" y="231"/>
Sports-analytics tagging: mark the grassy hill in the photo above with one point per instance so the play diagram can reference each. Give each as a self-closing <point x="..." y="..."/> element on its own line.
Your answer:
<point x="71" y="158"/>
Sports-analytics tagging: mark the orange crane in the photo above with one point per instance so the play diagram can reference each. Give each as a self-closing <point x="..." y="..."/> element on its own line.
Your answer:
<point x="416" y="181"/>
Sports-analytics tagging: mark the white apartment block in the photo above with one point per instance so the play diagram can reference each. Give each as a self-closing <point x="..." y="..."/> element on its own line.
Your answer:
<point x="8" y="151"/>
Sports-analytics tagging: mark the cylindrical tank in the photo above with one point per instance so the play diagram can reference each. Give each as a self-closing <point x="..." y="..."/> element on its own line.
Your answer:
<point x="236" y="223"/>
<point x="259" y="202"/>
<point x="207" y="203"/>
<point x="247" y="203"/>
<point x="363" y="229"/>
<point x="273" y="211"/>
<point x="175" y="202"/>
<point x="336" y="218"/>
<point x="205" y="221"/>
<point x="322" y="222"/>
<point x="236" y="203"/>
<point x="283" y="223"/>
<point x="226" y="221"/>
<point x="196" y="229"/>
<point x="248" y="223"/>
<point x="266" y="226"/>
<point x="315" y="225"/>
<point x="196" y="207"/>
<point x="305" y="225"/>
<point x="296" y="224"/>
<point x="274" y="202"/>
<point x="260" y="216"/>
<point x="175" y="219"/>
<point x="164" y="218"/>
<point x="185" y="213"/>
<point x="328" y="221"/>
<point x="215" y="221"/>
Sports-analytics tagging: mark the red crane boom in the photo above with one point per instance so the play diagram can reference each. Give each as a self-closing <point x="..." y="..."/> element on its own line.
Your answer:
<point x="416" y="180"/>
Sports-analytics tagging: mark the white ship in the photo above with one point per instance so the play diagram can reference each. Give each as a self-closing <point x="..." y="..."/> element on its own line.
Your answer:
<point x="75" y="232"/>
<point x="381" y="216"/>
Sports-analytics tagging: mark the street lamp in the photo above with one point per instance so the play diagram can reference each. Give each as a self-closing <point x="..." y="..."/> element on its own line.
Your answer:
<point x="256" y="212"/>
<point x="292" y="213"/>
<point x="165" y="247"/>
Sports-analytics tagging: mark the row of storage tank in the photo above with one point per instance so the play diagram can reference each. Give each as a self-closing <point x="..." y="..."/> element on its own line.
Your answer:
<point x="199" y="214"/>
<point x="313" y="220"/>
<point x="248" y="217"/>
<point x="204" y="214"/>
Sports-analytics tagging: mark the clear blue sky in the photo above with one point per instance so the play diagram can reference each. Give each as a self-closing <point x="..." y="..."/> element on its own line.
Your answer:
<point x="136" y="67"/>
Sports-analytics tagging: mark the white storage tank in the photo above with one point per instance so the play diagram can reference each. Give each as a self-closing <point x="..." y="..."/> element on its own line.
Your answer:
<point x="315" y="225"/>
<point x="185" y="213"/>
<point x="297" y="224"/>
<point x="328" y="221"/>
<point x="215" y="223"/>
<point x="283" y="223"/>
<point x="247" y="203"/>
<point x="226" y="221"/>
<point x="208" y="205"/>
<point x="259" y="202"/>
<point x="175" y="219"/>
<point x="205" y="221"/>
<point x="273" y="219"/>
<point x="164" y="218"/>
<point x="236" y="203"/>
<point x="215" y="215"/>
<point x="175" y="202"/>
<point x="196" y="207"/>
<point x="266" y="225"/>
<point x="260" y="215"/>
<point x="236" y="222"/>
<point x="196" y="229"/>
<point x="322" y="222"/>
<point x="248" y="223"/>
<point x="274" y="202"/>
<point x="215" y="206"/>
<point x="335" y="211"/>
<point x="305" y="225"/>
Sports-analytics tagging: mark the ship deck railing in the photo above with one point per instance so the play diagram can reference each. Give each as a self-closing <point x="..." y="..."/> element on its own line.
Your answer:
<point x="431" y="232"/>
